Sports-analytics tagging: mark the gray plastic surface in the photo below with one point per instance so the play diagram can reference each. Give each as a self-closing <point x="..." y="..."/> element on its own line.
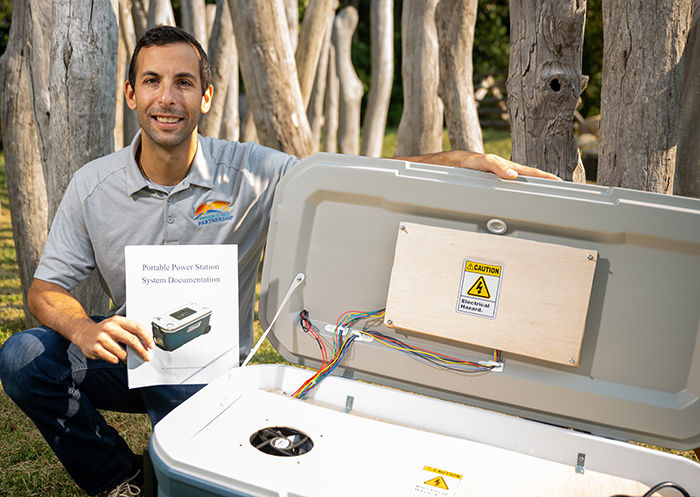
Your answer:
<point x="336" y="217"/>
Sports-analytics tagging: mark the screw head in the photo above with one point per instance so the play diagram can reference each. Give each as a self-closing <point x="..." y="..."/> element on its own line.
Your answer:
<point x="389" y="321"/>
<point x="572" y="361"/>
<point x="590" y="257"/>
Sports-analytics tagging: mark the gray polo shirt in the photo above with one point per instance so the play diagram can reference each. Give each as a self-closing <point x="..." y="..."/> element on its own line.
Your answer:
<point x="109" y="204"/>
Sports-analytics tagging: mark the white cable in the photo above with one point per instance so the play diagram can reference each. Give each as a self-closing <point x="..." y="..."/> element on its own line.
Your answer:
<point x="297" y="281"/>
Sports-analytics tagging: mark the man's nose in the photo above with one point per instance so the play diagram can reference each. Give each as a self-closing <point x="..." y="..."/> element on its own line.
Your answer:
<point x="167" y="94"/>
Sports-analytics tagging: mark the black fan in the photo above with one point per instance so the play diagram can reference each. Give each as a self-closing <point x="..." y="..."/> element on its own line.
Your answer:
<point x="281" y="441"/>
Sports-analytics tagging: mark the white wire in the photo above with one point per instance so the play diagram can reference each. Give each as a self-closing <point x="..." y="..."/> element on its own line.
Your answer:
<point x="298" y="279"/>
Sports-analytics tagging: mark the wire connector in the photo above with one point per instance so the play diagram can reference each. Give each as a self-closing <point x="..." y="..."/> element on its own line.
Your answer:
<point x="496" y="366"/>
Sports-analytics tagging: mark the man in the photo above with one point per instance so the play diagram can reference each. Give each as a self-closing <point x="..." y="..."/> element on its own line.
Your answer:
<point x="147" y="193"/>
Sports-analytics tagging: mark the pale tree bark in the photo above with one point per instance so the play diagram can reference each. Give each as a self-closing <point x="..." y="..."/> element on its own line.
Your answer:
<point x="230" y="124"/>
<point x="350" y="85"/>
<point x="248" y="132"/>
<point x="160" y="13"/>
<point x="122" y="61"/>
<point x="127" y="32"/>
<point x="210" y="16"/>
<point x="269" y="73"/>
<point x="330" y="110"/>
<point x="640" y="94"/>
<point x="420" y="128"/>
<point x="545" y="82"/>
<point x="382" y="46"/>
<point x="318" y="93"/>
<point x="194" y="20"/>
<point x="455" y="20"/>
<point x="687" y="179"/>
<point x="220" y="53"/>
<point x="83" y="57"/>
<point x="139" y="11"/>
<point x="24" y="63"/>
<point x="291" y="12"/>
<point x="313" y="27"/>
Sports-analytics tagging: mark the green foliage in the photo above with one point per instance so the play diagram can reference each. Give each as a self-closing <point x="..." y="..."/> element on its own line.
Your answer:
<point x="491" y="39"/>
<point x="593" y="58"/>
<point x="5" y="17"/>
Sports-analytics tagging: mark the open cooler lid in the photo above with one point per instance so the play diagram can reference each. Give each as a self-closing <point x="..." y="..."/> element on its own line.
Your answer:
<point x="623" y="363"/>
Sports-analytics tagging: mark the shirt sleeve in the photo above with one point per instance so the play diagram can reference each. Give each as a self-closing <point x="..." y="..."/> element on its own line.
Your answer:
<point x="68" y="257"/>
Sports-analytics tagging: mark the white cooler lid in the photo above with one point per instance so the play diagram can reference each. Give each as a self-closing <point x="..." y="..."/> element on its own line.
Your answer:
<point x="335" y="219"/>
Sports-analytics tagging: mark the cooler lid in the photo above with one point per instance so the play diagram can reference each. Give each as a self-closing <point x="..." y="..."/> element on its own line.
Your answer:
<point x="628" y="365"/>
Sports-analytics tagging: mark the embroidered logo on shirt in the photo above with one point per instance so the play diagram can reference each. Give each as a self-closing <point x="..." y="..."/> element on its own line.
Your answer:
<point x="213" y="212"/>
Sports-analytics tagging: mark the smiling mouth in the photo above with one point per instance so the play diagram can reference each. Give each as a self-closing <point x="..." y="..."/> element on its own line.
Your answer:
<point x="166" y="119"/>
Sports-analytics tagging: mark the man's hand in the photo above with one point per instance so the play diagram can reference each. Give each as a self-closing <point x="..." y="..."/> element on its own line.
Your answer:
<point x="481" y="162"/>
<point x="56" y="308"/>
<point x="104" y="340"/>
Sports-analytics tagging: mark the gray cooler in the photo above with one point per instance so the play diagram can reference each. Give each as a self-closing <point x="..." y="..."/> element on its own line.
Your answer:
<point x="578" y="305"/>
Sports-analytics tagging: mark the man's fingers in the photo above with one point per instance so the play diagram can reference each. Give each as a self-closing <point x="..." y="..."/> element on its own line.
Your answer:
<point x="533" y="171"/>
<point x="136" y="328"/>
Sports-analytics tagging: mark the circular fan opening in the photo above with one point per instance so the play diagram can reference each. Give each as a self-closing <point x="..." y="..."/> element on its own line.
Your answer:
<point x="281" y="441"/>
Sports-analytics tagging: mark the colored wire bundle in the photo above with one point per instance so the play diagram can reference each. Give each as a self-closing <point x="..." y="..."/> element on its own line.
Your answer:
<point x="435" y="358"/>
<point x="342" y="342"/>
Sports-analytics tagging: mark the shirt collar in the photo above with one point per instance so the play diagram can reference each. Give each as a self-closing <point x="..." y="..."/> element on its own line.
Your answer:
<point x="200" y="173"/>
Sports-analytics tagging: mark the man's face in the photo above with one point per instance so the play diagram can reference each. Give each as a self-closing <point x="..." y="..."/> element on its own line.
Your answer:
<point x="167" y="95"/>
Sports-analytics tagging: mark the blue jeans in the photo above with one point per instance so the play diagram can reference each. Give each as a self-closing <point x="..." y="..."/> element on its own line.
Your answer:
<point x="61" y="390"/>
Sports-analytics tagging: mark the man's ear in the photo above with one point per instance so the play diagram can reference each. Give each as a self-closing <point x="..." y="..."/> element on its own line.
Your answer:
<point x="130" y="96"/>
<point x="206" y="99"/>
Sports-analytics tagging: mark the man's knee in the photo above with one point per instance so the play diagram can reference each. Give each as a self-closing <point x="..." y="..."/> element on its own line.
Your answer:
<point x="19" y="357"/>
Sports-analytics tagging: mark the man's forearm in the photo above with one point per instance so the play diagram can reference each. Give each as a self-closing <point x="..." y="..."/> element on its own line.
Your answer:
<point x="56" y="308"/>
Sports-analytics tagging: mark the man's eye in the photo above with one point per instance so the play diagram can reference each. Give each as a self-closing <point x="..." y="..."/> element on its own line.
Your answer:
<point x="184" y="82"/>
<point x="150" y="81"/>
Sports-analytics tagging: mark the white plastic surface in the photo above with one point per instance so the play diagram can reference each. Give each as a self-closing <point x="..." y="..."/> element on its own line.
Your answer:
<point x="384" y="444"/>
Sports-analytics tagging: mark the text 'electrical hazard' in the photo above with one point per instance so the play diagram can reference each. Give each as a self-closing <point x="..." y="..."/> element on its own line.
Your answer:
<point x="434" y="482"/>
<point x="479" y="289"/>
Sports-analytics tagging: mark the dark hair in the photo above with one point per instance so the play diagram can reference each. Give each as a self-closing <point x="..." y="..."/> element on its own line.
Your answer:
<point x="165" y="35"/>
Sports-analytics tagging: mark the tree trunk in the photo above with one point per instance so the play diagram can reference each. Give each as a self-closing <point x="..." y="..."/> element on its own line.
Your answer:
<point x="230" y="124"/>
<point x="25" y="62"/>
<point x="640" y="94"/>
<point x="318" y="93"/>
<point x="193" y="18"/>
<point x="420" y="128"/>
<point x="221" y="50"/>
<point x="83" y="55"/>
<point x="139" y="11"/>
<point x="455" y="20"/>
<point x="291" y="12"/>
<point x="545" y="82"/>
<point x="382" y="41"/>
<point x="122" y="70"/>
<point x="210" y="16"/>
<point x="687" y="180"/>
<point x="269" y="73"/>
<point x="128" y="32"/>
<point x="330" y="108"/>
<point x="350" y="85"/>
<point x="313" y="28"/>
<point x="248" y="131"/>
<point x="160" y="13"/>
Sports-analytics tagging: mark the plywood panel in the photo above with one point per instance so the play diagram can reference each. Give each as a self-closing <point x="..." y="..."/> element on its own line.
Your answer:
<point x="495" y="291"/>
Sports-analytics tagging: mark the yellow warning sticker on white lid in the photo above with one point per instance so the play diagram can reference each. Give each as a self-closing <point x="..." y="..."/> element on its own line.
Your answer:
<point x="478" y="292"/>
<point x="434" y="482"/>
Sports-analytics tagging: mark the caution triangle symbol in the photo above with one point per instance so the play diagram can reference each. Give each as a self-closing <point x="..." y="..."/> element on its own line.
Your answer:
<point x="479" y="289"/>
<point x="438" y="482"/>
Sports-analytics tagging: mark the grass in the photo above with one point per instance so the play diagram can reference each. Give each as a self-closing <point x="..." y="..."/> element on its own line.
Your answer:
<point x="29" y="467"/>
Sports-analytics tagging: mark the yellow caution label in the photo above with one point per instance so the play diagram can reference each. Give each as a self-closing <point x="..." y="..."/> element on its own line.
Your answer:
<point x="481" y="268"/>
<point x="442" y="472"/>
<point x="479" y="289"/>
<point x="438" y="482"/>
